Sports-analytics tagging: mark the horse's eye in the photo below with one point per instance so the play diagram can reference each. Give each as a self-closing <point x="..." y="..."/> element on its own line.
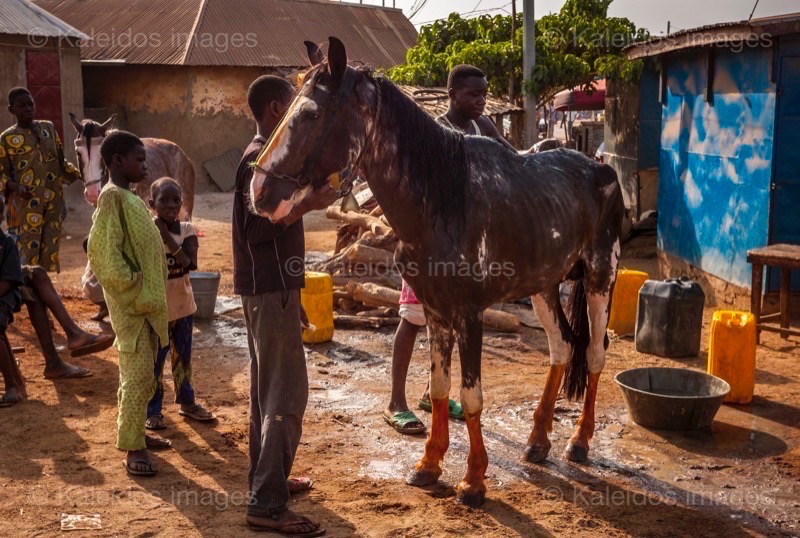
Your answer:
<point x="310" y="115"/>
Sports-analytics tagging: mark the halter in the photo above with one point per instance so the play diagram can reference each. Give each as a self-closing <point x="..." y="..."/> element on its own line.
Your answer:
<point x="333" y="106"/>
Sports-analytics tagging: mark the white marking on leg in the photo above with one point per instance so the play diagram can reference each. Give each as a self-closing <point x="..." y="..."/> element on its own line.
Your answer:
<point x="439" y="378"/>
<point x="472" y="398"/>
<point x="597" y="303"/>
<point x="560" y="350"/>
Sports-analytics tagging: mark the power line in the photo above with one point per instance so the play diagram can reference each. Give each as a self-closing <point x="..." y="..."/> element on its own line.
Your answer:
<point x="754" y="10"/>
<point x="414" y="12"/>
<point x="473" y="13"/>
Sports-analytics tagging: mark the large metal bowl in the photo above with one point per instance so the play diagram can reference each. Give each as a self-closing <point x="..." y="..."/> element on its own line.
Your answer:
<point x="671" y="398"/>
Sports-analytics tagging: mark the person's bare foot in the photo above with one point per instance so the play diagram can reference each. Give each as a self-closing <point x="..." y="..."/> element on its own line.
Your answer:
<point x="102" y="313"/>
<point x="287" y="522"/>
<point x="64" y="370"/>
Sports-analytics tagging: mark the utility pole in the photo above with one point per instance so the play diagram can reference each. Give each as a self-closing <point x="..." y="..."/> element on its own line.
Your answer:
<point x="528" y="63"/>
<point x="513" y="31"/>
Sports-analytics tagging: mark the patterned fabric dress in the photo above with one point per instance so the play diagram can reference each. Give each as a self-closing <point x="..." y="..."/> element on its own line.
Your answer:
<point x="35" y="158"/>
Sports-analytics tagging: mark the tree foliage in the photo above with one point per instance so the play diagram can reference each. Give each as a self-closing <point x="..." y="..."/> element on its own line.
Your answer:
<point x="572" y="48"/>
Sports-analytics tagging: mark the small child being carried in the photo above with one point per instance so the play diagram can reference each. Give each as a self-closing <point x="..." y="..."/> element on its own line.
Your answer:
<point x="180" y="247"/>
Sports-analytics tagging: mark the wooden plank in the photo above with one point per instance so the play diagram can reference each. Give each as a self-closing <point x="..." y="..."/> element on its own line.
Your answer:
<point x="773" y="329"/>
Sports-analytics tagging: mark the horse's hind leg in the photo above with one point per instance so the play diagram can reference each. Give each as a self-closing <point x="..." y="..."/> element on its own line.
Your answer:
<point x="471" y="490"/>
<point x="441" y="338"/>
<point x="599" y="289"/>
<point x="550" y="314"/>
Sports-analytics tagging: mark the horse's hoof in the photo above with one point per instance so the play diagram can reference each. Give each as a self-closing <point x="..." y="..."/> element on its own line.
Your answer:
<point x="473" y="499"/>
<point x="535" y="453"/>
<point x="577" y="453"/>
<point x="422" y="478"/>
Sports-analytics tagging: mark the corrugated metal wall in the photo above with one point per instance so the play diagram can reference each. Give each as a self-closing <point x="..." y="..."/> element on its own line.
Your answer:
<point x="715" y="161"/>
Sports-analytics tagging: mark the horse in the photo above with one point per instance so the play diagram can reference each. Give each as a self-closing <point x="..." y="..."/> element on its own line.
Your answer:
<point x="164" y="158"/>
<point x="477" y="223"/>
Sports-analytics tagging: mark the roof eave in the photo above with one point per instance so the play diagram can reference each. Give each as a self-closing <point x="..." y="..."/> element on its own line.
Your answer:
<point x="756" y="31"/>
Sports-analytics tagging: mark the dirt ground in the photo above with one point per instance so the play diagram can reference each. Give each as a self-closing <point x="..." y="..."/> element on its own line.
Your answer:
<point x="58" y="456"/>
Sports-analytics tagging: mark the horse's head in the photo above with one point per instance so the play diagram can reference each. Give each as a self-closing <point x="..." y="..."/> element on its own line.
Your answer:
<point x="90" y="135"/>
<point x="323" y="131"/>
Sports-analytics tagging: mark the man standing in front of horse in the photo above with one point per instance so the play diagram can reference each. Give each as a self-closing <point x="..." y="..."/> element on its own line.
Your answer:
<point x="265" y="274"/>
<point x="33" y="171"/>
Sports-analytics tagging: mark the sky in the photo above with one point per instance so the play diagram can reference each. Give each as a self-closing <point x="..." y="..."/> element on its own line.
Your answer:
<point x="651" y="14"/>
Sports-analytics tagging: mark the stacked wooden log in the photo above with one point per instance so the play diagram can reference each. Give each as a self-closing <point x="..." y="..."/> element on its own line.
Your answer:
<point x="366" y="282"/>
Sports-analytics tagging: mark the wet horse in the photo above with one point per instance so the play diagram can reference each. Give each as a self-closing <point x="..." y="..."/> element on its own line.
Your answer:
<point x="477" y="224"/>
<point x="164" y="158"/>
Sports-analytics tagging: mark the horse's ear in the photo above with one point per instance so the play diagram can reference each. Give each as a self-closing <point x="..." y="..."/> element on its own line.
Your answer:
<point x="315" y="55"/>
<point x="76" y="123"/>
<point x="337" y="58"/>
<point x="107" y="124"/>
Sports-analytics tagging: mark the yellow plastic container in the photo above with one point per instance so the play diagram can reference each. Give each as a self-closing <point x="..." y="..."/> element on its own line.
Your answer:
<point x="622" y="319"/>
<point x="317" y="300"/>
<point x="732" y="353"/>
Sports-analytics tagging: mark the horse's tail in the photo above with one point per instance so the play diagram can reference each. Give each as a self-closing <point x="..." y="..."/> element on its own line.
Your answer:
<point x="576" y="375"/>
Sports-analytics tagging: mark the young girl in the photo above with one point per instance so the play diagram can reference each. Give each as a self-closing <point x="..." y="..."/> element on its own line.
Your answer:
<point x="126" y="255"/>
<point x="180" y="247"/>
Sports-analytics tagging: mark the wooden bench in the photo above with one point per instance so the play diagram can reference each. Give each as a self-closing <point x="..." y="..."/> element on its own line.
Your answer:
<point x="786" y="257"/>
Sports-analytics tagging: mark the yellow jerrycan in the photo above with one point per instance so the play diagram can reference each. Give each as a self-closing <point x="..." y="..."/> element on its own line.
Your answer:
<point x="732" y="353"/>
<point x="317" y="300"/>
<point x="622" y="319"/>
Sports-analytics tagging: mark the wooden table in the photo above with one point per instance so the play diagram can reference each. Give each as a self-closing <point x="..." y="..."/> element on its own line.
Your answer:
<point x="787" y="257"/>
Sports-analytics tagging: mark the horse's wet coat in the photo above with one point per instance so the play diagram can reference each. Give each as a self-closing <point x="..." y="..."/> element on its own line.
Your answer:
<point x="478" y="225"/>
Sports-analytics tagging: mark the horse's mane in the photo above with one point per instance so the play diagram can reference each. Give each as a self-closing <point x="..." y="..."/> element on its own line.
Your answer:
<point x="90" y="129"/>
<point x="433" y="159"/>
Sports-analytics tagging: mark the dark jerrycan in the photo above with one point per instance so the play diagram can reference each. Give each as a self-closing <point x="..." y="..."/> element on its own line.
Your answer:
<point x="669" y="318"/>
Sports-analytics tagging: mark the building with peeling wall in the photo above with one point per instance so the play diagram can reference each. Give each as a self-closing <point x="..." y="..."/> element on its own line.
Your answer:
<point x="729" y="167"/>
<point x="41" y="52"/>
<point x="180" y="69"/>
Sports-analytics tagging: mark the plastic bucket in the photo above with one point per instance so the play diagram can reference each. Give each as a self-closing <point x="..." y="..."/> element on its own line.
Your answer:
<point x="204" y="288"/>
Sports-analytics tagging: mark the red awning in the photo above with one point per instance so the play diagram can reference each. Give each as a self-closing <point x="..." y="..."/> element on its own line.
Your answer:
<point x="577" y="99"/>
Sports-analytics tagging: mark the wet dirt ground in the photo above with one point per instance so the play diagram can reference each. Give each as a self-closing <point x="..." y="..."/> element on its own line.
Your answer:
<point x="739" y="479"/>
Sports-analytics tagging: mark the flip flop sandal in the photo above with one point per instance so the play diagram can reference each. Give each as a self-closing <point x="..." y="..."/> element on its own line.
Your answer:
<point x="199" y="413"/>
<point x="282" y="529"/>
<point x="136" y="472"/>
<point x="157" y="443"/>
<point x="405" y="422"/>
<point x="151" y="423"/>
<point x="299" y="485"/>
<point x="453" y="408"/>
<point x="98" y="344"/>
<point x="80" y="373"/>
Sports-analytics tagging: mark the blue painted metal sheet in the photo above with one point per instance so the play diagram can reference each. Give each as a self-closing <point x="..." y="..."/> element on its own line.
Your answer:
<point x="715" y="161"/>
<point x="785" y="220"/>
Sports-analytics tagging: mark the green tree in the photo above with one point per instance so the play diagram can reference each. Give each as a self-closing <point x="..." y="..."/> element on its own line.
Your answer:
<point x="572" y="48"/>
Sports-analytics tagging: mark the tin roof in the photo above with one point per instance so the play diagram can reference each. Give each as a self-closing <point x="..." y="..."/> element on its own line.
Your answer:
<point x="262" y="33"/>
<point x="725" y="32"/>
<point x="435" y="101"/>
<point x="21" y="17"/>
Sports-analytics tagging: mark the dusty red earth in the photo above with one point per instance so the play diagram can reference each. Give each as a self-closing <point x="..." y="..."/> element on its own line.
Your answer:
<point x="58" y="455"/>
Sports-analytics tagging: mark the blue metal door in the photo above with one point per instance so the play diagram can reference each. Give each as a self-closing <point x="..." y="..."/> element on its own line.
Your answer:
<point x="785" y="214"/>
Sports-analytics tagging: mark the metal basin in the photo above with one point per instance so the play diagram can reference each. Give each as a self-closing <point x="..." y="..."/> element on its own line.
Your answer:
<point x="671" y="398"/>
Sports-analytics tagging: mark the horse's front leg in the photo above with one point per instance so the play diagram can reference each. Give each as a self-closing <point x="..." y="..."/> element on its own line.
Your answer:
<point x="428" y="470"/>
<point x="472" y="490"/>
<point x="550" y="314"/>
